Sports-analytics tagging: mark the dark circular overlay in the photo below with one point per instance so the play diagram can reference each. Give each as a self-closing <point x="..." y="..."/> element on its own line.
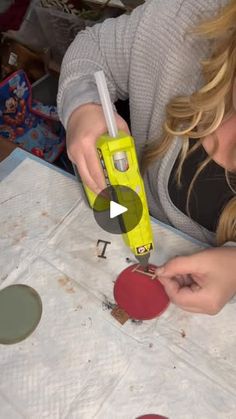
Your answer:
<point x="141" y="296"/>
<point x="20" y="313"/>
<point x="121" y="195"/>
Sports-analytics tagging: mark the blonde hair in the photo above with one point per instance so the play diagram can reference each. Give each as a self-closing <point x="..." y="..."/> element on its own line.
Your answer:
<point x="201" y="113"/>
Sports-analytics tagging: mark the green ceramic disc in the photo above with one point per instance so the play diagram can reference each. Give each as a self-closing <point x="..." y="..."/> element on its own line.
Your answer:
<point x="20" y="313"/>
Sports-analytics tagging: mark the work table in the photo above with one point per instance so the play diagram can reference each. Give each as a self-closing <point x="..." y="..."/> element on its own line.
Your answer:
<point x="81" y="362"/>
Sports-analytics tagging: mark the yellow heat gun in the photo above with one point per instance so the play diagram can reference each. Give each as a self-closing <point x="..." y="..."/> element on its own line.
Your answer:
<point x="119" y="162"/>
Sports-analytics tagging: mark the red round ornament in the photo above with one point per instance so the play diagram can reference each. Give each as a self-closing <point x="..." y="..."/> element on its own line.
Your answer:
<point x="152" y="417"/>
<point x="140" y="293"/>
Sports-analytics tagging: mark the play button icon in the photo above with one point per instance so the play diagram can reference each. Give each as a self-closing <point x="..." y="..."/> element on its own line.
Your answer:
<point x="118" y="209"/>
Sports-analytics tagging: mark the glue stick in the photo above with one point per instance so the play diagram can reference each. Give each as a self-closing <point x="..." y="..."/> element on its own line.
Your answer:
<point x="120" y="161"/>
<point x="120" y="158"/>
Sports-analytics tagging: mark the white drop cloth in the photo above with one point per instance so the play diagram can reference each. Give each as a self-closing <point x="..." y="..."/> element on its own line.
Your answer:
<point x="80" y="363"/>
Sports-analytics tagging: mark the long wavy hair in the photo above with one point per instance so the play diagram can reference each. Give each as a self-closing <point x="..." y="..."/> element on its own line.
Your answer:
<point x="201" y="113"/>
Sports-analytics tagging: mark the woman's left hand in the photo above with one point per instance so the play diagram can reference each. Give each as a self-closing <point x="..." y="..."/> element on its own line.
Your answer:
<point x="203" y="282"/>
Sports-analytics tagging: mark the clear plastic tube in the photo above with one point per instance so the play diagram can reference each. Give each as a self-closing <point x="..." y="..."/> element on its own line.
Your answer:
<point x="106" y="103"/>
<point x="120" y="158"/>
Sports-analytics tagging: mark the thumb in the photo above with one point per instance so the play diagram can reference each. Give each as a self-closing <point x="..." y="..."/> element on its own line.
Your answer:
<point x="171" y="287"/>
<point x="181" y="265"/>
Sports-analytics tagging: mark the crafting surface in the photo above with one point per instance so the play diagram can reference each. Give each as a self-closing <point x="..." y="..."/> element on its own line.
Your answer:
<point x="80" y="362"/>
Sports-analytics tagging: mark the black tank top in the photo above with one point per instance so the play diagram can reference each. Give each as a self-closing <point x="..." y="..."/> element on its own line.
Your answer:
<point x="210" y="192"/>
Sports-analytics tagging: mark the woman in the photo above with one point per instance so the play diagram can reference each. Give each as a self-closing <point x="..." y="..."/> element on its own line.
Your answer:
<point x="183" y="120"/>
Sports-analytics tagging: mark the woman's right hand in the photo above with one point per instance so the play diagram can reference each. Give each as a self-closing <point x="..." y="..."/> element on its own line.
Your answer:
<point x="86" y="124"/>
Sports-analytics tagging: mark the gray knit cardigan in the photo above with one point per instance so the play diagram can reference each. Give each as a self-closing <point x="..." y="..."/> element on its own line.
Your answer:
<point x="149" y="57"/>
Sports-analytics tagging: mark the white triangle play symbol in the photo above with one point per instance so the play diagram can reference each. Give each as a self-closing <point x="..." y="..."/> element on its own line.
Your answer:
<point x="116" y="209"/>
